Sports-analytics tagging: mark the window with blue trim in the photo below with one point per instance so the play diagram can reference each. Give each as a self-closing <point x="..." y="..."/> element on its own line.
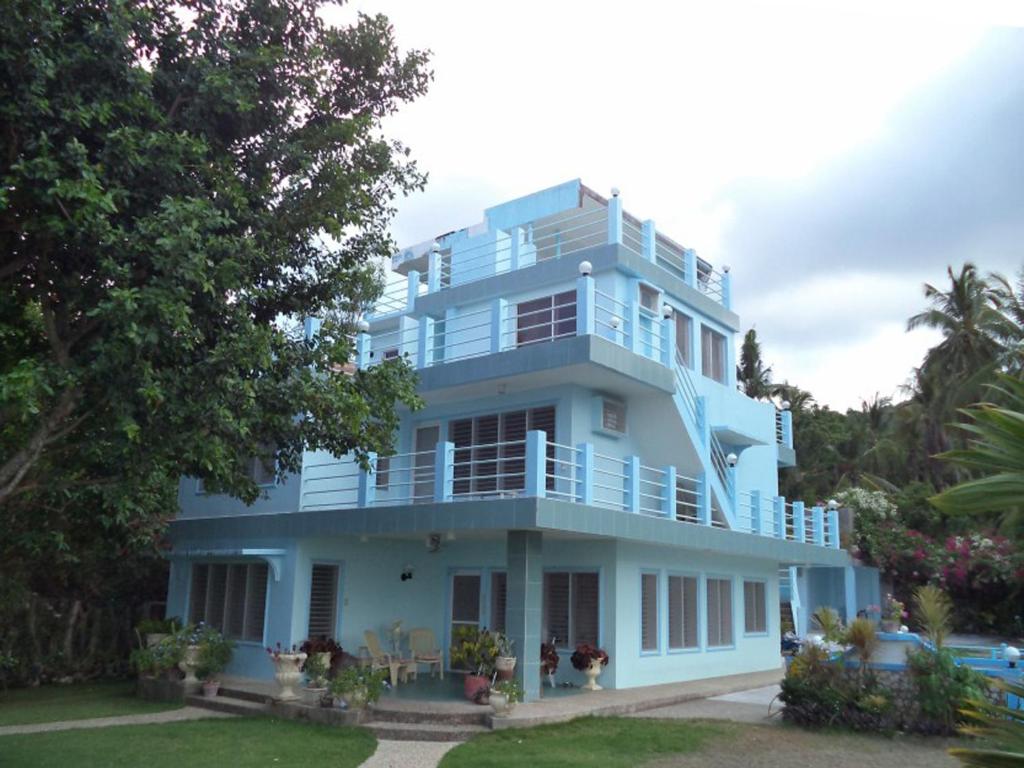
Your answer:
<point x="682" y="613"/>
<point x="755" y="619"/>
<point x="649" y="612"/>
<point x="719" y="612"/>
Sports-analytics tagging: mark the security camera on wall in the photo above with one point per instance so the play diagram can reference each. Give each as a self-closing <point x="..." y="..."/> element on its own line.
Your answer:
<point x="433" y="542"/>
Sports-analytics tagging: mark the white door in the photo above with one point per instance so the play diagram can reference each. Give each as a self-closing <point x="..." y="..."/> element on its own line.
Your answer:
<point x="465" y="604"/>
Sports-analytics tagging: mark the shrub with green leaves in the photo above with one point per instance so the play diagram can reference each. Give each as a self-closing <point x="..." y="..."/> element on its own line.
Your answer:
<point x="944" y="688"/>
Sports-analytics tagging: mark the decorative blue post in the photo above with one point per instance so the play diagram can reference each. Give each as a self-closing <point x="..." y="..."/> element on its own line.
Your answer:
<point x="585" y="480"/>
<point x="425" y="342"/>
<point x="434" y="269"/>
<point x="499" y="310"/>
<point x="633" y="308"/>
<point x="799" y="524"/>
<point x="833" y="528"/>
<point x="444" y="471"/>
<point x="818" y="525"/>
<point x="515" y="233"/>
<point x="780" y="517"/>
<point x="615" y="219"/>
<point x="584" y="305"/>
<point x="633" y="484"/>
<point x="690" y="267"/>
<point x="367" y="483"/>
<point x="726" y="288"/>
<point x="702" y="419"/>
<point x="648" y="235"/>
<point x="669" y="502"/>
<point x="787" y="428"/>
<point x="668" y="341"/>
<point x="850" y="590"/>
<point x="703" y="499"/>
<point x="363" y="350"/>
<point x="413" y="290"/>
<point x="755" y="511"/>
<point x="536" y="463"/>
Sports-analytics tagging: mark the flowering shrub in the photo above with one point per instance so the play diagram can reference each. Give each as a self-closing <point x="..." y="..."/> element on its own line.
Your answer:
<point x="585" y="654"/>
<point x="549" y="658"/>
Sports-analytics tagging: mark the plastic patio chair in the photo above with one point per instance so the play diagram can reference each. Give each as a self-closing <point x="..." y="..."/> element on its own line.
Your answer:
<point x="424" y="649"/>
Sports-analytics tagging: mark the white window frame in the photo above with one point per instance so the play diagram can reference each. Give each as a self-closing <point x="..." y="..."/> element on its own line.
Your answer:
<point x="708" y="614"/>
<point x="570" y="643"/>
<point x="763" y="584"/>
<point x="697" y="633"/>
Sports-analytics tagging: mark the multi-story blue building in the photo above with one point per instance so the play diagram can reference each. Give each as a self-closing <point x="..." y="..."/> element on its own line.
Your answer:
<point x="584" y="469"/>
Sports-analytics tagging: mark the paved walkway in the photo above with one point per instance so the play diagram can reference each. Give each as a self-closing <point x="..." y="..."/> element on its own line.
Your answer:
<point x="408" y="754"/>
<point x="171" y="716"/>
<point x="757" y="705"/>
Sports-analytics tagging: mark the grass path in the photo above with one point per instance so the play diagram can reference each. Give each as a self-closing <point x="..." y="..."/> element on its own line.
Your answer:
<point x="81" y="701"/>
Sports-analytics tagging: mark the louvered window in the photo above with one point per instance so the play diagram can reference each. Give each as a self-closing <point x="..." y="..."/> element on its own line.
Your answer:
<point x="613" y="415"/>
<point x="499" y="600"/>
<point x="230" y="597"/>
<point x="682" y="612"/>
<point x="490" y="450"/>
<point x="571" y="608"/>
<point x="545" y="319"/>
<point x="712" y="349"/>
<point x="719" y="612"/>
<point x="382" y="473"/>
<point x="755" y="619"/>
<point x="649" y="612"/>
<point x="323" y="600"/>
<point x="684" y="327"/>
<point x="649" y="298"/>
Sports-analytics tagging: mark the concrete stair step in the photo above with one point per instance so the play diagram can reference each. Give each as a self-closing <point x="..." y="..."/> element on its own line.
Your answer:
<point x="228" y="704"/>
<point x="383" y="715"/>
<point x="239" y="693"/>
<point x="424" y="731"/>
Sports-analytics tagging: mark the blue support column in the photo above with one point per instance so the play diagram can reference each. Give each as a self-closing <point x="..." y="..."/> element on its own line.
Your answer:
<point x="412" y="290"/>
<point x="850" y="591"/>
<point x="648" y="236"/>
<point x="668" y="341"/>
<point x="499" y="310"/>
<point x="584" y="305"/>
<point x="615" y="220"/>
<point x="536" y="463"/>
<point x="585" y="479"/>
<point x="703" y="499"/>
<point x="818" y="525"/>
<point x="690" y="267"/>
<point x="425" y="342"/>
<point x="524" y="601"/>
<point x="787" y="429"/>
<point x="799" y="524"/>
<point x="363" y="350"/>
<point x="633" y="484"/>
<point x="727" y="289"/>
<point x="367" y="483"/>
<point x="669" y="502"/>
<point x="311" y="328"/>
<point x="444" y="471"/>
<point x="434" y="269"/>
<point x="515" y="235"/>
<point x="833" y="528"/>
<point x="633" y="320"/>
<point x="779" y="507"/>
<point x="702" y="420"/>
<point x="755" y="511"/>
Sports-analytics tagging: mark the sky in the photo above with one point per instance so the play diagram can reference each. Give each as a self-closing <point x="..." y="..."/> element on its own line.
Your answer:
<point x="835" y="155"/>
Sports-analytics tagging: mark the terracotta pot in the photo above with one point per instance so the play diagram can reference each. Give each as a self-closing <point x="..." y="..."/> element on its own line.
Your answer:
<point x="472" y="684"/>
<point x="211" y="688"/>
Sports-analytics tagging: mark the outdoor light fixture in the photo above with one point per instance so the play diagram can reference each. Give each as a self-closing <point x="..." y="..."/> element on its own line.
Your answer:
<point x="615" y="322"/>
<point x="785" y="405"/>
<point x="586" y="268"/>
<point x="615" y="191"/>
<point x="364" y="326"/>
<point x="833" y="504"/>
<point x="407" y="573"/>
<point x="435" y="247"/>
<point x="666" y="311"/>
<point x="726" y="268"/>
<point x="1012" y="656"/>
<point x="731" y="459"/>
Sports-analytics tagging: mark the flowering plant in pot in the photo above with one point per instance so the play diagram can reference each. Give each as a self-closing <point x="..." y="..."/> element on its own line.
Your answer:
<point x="326" y="648"/>
<point x="589" y="659"/>
<point x="475" y="650"/>
<point x="505" y="694"/>
<point x="357" y="686"/>
<point x="893" y="615"/>
<point x="549" y="661"/>
<point x="505" y="661"/>
<point x="215" y="652"/>
<point x="287" y="669"/>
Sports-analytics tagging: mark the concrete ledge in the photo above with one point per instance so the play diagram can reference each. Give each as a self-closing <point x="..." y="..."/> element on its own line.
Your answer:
<point x="157" y="689"/>
<point x="626" y="701"/>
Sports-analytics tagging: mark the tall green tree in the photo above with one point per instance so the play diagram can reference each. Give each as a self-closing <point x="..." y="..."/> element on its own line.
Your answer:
<point x="180" y="185"/>
<point x="752" y="374"/>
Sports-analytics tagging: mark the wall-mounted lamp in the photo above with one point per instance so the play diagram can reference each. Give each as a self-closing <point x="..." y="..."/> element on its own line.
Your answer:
<point x="586" y="268"/>
<point x="407" y="572"/>
<point x="666" y="311"/>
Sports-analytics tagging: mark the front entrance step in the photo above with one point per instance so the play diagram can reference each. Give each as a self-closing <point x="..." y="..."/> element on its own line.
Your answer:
<point x="437" y="714"/>
<point x="229" y="704"/>
<point x="424" y="731"/>
<point x="240" y="693"/>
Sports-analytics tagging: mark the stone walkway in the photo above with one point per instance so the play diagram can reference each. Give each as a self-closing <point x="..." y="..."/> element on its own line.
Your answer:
<point x="757" y="705"/>
<point x="408" y="754"/>
<point x="171" y="716"/>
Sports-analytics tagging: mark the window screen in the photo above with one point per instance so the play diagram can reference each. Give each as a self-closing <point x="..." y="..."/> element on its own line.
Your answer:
<point x="323" y="600"/>
<point x="755" y="619"/>
<point x="719" y="612"/>
<point x="649" y="611"/>
<point x="682" y="612"/>
<point x="230" y="597"/>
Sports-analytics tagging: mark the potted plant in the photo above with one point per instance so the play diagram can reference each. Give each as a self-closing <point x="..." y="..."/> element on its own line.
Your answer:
<point x="188" y="640"/>
<point x="215" y="652"/>
<point x="549" y="661"/>
<point x="505" y="662"/>
<point x="894" y="614"/>
<point x="476" y="650"/>
<point x="589" y="660"/>
<point x="357" y="687"/>
<point x="505" y="694"/>
<point x="168" y="654"/>
<point x="316" y="670"/>
<point x="327" y="649"/>
<point x="153" y="631"/>
<point x="287" y="670"/>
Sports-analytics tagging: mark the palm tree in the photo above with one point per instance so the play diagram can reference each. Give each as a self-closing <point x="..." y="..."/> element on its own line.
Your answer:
<point x="751" y="372"/>
<point x="1010" y="330"/>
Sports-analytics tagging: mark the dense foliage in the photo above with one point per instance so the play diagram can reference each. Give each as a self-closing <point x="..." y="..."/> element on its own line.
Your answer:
<point x="181" y="186"/>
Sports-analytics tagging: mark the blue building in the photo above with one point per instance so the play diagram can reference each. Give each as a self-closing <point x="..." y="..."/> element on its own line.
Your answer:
<point x="585" y="469"/>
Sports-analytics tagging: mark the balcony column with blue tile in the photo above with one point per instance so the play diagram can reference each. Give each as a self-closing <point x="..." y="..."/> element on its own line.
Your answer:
<point x="524" y="594"/>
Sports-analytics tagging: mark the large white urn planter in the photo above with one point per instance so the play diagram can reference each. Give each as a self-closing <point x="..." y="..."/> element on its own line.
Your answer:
<point x="592" y="672"/>
<point x="288" y="674"/>
<point x="188" y="664"/>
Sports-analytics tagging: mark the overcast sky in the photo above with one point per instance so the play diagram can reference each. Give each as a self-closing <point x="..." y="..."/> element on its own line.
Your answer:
<point x="835" y="159"/>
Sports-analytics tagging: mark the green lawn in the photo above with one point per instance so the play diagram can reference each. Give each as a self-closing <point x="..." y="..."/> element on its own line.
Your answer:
<point x="82" y="701"/>
<point x="235" y="742"/>
<point x="608" y="742"/>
